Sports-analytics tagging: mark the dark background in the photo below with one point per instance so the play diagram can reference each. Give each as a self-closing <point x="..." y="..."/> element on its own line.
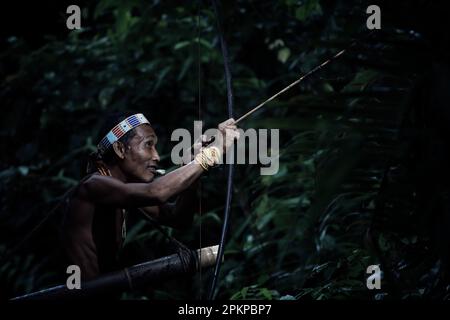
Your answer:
<point x="364" y="144"/>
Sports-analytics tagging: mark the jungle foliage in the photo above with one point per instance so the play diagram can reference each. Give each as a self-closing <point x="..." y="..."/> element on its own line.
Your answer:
<point x="363" y="150"/>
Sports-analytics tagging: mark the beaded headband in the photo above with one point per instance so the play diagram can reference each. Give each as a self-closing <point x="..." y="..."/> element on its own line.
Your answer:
<point x="120" y="130"/>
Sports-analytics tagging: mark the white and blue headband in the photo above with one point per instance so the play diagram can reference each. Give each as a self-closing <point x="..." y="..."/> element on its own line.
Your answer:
<point x="120" y="130"/>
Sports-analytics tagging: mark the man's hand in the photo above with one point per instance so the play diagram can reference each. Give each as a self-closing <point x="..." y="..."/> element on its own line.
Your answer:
<point x="203" y="141"/>
<point x="228" y="133"/>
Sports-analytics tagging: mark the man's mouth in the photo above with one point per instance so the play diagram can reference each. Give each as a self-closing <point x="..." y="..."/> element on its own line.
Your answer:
<point x="152" y="168"/>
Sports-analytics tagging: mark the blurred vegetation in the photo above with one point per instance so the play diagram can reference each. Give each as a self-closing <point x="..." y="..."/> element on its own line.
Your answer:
<point x="363" y="150"/>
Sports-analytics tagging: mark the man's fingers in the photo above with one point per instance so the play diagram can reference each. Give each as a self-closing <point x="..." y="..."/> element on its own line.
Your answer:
<point x="226" y="123"/>
<point x="235" y="134"/>
<point x="208" y="141"/>
<point x="232" y="134"/>
<point x="229" y="121"/>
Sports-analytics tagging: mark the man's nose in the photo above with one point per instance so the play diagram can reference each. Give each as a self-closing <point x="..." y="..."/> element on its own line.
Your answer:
<point x="155" y="156"/>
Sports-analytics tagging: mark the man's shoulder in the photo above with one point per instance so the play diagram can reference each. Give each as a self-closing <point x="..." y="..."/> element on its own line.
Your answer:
<point x="93" y="184"/>
<point x="95" y="178"/>
<point x="87" y="189"/>
<point x="85" y="184"/>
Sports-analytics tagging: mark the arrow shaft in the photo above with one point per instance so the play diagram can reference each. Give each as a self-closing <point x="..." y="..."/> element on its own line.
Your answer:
<point x="309" y="73"/>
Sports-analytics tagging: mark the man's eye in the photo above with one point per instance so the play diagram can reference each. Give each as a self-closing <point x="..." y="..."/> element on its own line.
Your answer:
<point x="149" y="144"/>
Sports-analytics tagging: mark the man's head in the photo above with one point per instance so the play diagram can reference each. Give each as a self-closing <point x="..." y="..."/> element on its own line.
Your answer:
<point x="134" y="153"/>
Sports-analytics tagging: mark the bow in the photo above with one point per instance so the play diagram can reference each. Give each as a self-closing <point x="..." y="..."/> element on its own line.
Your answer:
<point x="230" y="167"/>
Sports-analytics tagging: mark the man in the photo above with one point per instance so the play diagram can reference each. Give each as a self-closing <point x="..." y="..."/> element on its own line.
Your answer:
<point x="123" y="177"/>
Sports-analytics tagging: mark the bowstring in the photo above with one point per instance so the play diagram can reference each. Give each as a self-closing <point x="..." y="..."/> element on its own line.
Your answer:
<point x="199" y="97"/>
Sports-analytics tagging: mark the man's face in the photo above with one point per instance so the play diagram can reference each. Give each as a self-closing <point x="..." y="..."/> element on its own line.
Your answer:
<point x="141" y="158"/>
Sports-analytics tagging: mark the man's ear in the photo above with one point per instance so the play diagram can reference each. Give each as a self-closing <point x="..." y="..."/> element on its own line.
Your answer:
<point x="119" y="149"/>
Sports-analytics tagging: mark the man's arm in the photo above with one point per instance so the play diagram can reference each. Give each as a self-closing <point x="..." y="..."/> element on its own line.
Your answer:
<point x="110" y="191"/>
<point x="179" y="214"/>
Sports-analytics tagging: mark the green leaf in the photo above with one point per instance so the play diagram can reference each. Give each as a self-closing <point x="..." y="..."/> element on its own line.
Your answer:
<point x="361" y="81"/>
<point x="284" y="54"/>
<point x="307" y="10"/>
<point x="181" y="45"/>
<point x="287" y="297"/>
<point x="266" y="293"/>
<point x="23" y="170"/>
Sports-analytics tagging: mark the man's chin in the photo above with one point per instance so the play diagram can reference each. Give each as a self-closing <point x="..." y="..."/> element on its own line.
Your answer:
<point x="150" y="177"/>
<point x="145" y="179"/>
